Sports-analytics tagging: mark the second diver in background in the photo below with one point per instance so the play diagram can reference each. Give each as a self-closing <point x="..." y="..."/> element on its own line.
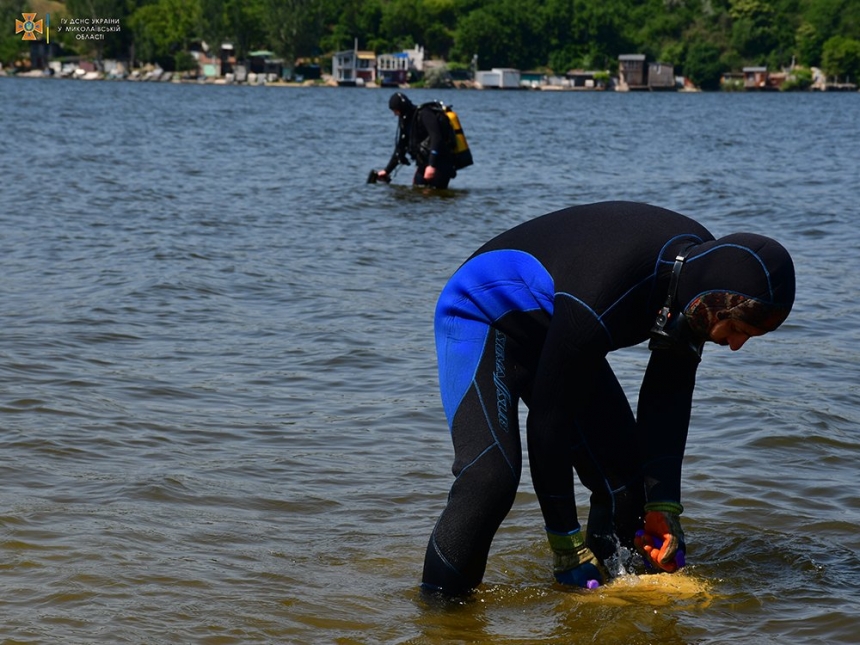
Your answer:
<point x="431" y="136"/>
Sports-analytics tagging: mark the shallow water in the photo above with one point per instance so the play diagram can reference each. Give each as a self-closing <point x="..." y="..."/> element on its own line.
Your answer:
<point x="218" y="411"/>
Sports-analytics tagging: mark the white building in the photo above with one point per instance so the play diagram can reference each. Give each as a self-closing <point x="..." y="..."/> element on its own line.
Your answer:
<point x="499" y="78"/>
<point x="354" y="67"/>
<point x="395" y="69"/>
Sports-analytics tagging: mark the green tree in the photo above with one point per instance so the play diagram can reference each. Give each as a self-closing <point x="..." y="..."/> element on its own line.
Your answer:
<point x="294" y="27"/>
<point x="403" y="23"/>
<point x="505" y="33"/>
<point x="799" y="79"/>
<point x="808" y="45"/>
<point x="703" y="65"/>
<point x="12" y="47"/>
<point x="438" y="40"/>
<point x="354" y="19"/>
<point x="753" y="30"/>
<point x="245" y="24"/>
<point x="476" y="35"/>
<point x="563" y="50"/>
<point x="163" y="29"/>
<point x="439" y="34"/>
<point x="833" y="17"/>
<point x="604" y="32"/>
<point x="659" y="25"/>
<point x="841" y="58"/>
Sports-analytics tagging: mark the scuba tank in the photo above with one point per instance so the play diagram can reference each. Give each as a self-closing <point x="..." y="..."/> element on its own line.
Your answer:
<point x="462" y="154"/>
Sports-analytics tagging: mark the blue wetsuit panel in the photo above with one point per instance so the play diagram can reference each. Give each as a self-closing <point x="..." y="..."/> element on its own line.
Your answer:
<point x="482" y="291"/>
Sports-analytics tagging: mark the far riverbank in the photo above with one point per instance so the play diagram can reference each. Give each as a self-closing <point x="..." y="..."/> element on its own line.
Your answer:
<point x="157" y="75"/>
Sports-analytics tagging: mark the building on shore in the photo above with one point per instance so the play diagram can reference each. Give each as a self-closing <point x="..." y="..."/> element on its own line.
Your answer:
<point x="400" y="68"/>
<point x="354" y="67"/>
<point x="501" y="78"/>
<point x="634" y="74"/>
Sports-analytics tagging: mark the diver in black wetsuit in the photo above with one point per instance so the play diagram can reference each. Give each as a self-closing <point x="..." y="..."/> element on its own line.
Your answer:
<point x="532" y="315"/>
<point x="421" y="135"/>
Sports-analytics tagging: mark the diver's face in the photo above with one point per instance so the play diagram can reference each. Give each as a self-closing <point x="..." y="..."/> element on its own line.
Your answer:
<point x="733" y="333"/>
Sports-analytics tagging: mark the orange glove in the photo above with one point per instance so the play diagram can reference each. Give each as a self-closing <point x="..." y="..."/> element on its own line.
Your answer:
<point x="661" y="543"/>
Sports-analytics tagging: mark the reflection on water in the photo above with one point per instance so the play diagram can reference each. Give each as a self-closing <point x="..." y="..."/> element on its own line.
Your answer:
<point x="631" y="609"/>
<point x="219" y="412"/>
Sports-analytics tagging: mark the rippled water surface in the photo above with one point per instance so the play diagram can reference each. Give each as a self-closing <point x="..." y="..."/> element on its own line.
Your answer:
<point x="218" y="411"/>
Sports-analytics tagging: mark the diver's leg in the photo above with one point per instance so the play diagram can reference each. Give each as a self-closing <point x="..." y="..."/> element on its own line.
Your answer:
<point x="487" y="469"/>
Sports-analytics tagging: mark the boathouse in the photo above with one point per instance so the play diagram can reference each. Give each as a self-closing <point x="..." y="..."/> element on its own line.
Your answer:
<point x="632" y="73"/>
<point x="755" y="78"/>
<point x="635" y="74"/>
<point x="661" y="76"/>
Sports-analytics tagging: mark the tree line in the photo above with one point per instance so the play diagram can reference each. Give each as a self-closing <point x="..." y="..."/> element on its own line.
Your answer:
<point x="701" y="38"/>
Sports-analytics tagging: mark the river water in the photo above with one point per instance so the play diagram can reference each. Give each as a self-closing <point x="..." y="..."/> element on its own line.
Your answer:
<point x="219" y="418"/>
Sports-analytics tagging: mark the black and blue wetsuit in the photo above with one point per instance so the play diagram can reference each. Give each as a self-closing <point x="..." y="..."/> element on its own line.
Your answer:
<point x="531" y="316"/>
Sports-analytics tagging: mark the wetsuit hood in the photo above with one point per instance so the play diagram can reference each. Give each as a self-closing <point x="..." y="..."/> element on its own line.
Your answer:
<point x="742" y="276"/>
<point x="400" y="102"/>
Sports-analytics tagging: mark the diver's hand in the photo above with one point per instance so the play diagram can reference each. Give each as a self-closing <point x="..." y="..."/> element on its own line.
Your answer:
<point x="573" y="563"/>
<point x="429" y="173"/>
<point x="661" y="542"/>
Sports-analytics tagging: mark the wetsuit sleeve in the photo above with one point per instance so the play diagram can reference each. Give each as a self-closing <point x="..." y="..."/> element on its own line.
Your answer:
<point x="663" y="419"/>
<point x="392" y="163"/>
<point x="562" y="385"/>
<point x="400" y="148"/>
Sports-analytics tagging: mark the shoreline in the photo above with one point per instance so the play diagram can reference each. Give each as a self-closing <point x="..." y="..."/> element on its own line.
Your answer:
<point x="327" y="82"/>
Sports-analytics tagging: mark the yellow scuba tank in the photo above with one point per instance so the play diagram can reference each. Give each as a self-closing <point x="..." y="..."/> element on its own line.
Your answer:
<point x="462" y="154"/>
